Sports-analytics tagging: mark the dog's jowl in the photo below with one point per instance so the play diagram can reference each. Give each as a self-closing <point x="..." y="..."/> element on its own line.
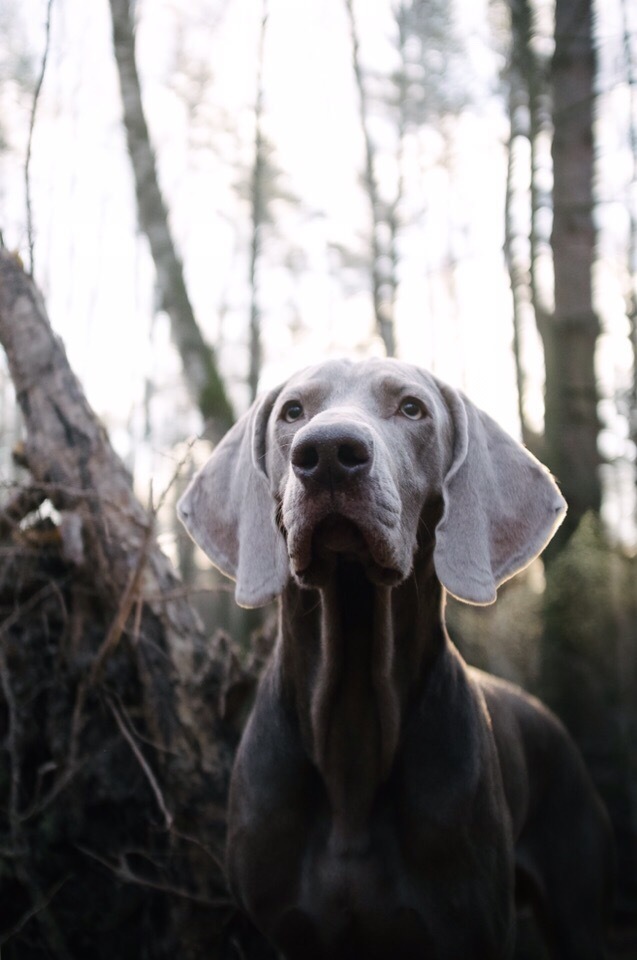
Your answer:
<point x="387" y="801"/>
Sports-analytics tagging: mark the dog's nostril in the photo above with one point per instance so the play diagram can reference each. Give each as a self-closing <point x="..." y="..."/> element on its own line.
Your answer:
<point x="352" y="455"/>
<point x="329" y="456"/>
<point x="305" y="456"/>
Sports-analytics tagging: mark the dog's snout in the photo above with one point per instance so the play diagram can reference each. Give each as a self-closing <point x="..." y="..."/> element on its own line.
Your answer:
<point x="330" y="454"/>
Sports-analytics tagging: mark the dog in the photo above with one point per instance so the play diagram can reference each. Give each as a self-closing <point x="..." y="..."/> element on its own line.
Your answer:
<point x="388" y="801"/>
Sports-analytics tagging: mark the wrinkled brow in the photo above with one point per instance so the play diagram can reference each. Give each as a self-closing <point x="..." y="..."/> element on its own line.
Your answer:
<point x="314" y="392"/>
<point x="394" y="387"/>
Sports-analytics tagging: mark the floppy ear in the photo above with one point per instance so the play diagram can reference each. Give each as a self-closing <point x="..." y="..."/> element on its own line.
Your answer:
<point x="229" y="511"/>
<point x="500" y="506"/>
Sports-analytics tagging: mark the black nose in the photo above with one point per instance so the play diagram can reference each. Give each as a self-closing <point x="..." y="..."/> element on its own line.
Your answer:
<point x="329" y="454"/>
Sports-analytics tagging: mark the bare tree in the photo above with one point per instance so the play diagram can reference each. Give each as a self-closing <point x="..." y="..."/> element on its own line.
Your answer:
<point x="515" y="241"/>
<point x="382" y="260"/>
<point x="198" y="358"/>
<point x="631" y="285"/>
<point x="258" y="214"/>
<point x="526" y="248"/>
<point x="570" y="334"/>
<point x="430" y="83"/>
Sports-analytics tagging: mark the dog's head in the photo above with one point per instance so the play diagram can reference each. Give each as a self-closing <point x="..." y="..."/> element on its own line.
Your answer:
<point x="342" y="459"/>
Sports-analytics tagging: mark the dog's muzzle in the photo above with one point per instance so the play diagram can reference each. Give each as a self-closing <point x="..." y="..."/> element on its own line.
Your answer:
<point x="329" y="455"/>
<point x="336" y="503"/>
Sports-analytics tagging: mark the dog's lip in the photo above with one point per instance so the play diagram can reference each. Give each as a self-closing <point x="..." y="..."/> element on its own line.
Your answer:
<point x="338" y="536"/>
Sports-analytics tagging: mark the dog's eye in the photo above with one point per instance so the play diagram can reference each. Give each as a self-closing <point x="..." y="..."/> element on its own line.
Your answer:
<point x="292" y="411"/>
<point x="412" y="408"/>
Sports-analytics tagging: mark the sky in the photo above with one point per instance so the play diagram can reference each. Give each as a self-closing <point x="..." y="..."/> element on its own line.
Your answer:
<point x="95" y="270"/>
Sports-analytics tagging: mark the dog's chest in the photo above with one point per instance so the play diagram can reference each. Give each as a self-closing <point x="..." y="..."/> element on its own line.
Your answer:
<point x="356" y="903"/>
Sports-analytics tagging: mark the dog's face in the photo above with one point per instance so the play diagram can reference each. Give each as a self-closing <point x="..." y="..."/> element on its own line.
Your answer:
<point x="352" y="454"/>
<point x="341" y="461"/>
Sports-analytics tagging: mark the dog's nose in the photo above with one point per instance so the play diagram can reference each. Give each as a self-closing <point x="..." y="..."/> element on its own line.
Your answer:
<point x="329" y="454"/>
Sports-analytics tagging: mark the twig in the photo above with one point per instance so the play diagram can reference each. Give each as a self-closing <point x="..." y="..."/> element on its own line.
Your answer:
<point x="129" y="597"/>
<point x="40" y="804"/>
<point x="34" y="107"/>
<point x="150" y="776"/>
<point x="237" y="946"/>
<point x="132" y="596"/>
<point x="159" y="748"/>
<point x="123" y="872"/>
<point x="27" y="607"/>
<point x="12" y="744"/>
<point x="217" y="860"/>
<point x="37" y="908"/>
<point x="174" y="476"/>
<point x="10" y="700"/>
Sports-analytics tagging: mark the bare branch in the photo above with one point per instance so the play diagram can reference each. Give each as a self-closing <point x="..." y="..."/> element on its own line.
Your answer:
<point x="150" y="776"/>
<point x="39" y="907"/>
<point x="34" y="107"/>
<point x="123" y="872"/>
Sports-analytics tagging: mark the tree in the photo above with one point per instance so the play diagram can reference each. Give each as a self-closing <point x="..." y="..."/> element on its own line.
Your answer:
<point x="631" y="280"/>
<point x="201" y="373"/>
<point x="258" y="215"/>
<point x="382" y="250"/>
<point x="561" y="110"/>
<point x="570" y="334"/>
<point x="429" y="84"/>
<point x="527" y="245"/>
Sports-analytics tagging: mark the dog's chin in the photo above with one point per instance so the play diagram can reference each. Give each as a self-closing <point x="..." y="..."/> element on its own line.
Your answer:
<point x="337" y="540"/>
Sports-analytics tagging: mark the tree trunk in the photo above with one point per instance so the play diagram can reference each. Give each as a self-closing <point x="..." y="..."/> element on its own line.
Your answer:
<point x="517" y="260"/>
<point x="570" y="335"/>
<point x="631" y="264"/>
<point x="118" y="719"/>
<point x="528" y="119"/>
<point x="198" y="358"/>
<point x="258" y="217"/>
<point x="383" y="276"/>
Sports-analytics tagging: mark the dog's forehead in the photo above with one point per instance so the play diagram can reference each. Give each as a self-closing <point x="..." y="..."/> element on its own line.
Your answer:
<point x="338" y="381"/>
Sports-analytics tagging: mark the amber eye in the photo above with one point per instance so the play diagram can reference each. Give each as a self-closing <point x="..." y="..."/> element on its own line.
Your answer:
<point x="292" y="411"/>
<point x="412" y="408"/>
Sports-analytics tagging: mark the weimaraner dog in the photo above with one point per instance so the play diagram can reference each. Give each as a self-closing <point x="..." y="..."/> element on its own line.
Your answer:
<point x="387" y="801"/>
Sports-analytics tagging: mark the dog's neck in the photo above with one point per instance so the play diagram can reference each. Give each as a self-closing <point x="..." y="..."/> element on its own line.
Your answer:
<point x="351" y="681"/>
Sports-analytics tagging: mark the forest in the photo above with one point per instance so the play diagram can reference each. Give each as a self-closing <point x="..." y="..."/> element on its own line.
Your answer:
<point x="196" y="200"/>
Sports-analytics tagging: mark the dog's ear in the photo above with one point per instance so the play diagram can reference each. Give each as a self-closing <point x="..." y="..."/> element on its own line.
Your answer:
<point x="500" y="506"/>
<point x="229" y="511"/>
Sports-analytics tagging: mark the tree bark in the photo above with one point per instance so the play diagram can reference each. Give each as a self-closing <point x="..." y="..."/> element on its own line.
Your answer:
<point x="70" y="456"/>
<point x="570" y="335"/>
<point x="198" y="358"/>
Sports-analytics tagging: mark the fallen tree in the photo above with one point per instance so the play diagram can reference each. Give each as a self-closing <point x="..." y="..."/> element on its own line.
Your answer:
<point x="118" y="718"/>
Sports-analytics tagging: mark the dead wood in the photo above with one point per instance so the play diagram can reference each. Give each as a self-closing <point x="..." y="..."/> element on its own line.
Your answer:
<point x="116" y="714"/>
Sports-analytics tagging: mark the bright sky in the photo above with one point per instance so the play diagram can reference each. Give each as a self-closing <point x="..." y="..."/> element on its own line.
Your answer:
<point x="95" y="270"/>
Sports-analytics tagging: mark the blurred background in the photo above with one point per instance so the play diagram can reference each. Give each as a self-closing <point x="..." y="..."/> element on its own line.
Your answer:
<point x="211" y="194"/>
